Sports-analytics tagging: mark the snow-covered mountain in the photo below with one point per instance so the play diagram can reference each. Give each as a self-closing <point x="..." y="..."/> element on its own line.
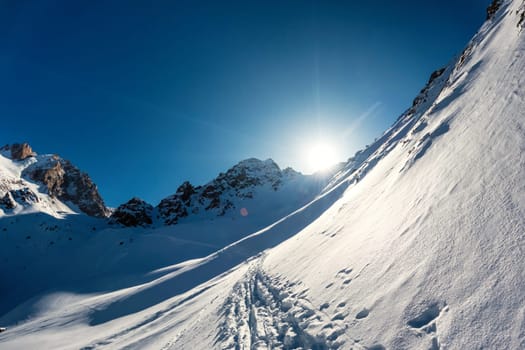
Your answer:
<point x="45" y="183"/>
<point x="416" y="243"/>
<point x="250" y="187"/>
<point x="32" y="183"/>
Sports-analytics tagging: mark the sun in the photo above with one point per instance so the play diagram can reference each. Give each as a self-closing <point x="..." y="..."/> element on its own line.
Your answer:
<point x="321" y="155"/>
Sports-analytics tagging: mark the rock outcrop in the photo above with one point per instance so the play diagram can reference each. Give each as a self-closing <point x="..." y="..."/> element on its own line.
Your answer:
<point x="176" y="206"/>
<point x="134" y="212"/>
<point x="20" y="151"/>
<point x="7" y="202"/>
<point x="423" y="94"/>
<point x="219" y="195"/>
<point x="493" y="8"/>
<point x="66" y="182"/>
<point x="13" y="198"/>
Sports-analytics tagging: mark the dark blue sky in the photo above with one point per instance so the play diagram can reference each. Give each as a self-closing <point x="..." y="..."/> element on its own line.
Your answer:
<point x="143" y="95"/>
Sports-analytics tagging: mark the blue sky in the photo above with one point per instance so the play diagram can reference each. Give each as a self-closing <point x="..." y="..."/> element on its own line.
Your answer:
<point x="144" y="95"/>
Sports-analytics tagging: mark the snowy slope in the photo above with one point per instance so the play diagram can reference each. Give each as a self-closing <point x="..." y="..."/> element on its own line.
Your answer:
<point x="417" y="244"/>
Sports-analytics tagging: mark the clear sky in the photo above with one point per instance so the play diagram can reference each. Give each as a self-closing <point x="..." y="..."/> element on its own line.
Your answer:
<point x="143" y="95"/>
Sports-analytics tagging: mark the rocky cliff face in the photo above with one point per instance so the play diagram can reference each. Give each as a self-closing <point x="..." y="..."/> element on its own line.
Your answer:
<point x="20" y="151"/>
<point x="57" y="177"/>
<point x="66" y="182"/>
<point x="134" y="212"/>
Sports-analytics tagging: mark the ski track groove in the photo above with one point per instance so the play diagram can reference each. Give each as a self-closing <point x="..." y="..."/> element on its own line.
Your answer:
<point x="262" y="312"/>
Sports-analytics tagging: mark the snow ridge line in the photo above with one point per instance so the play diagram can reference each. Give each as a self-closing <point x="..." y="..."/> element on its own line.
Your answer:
<point x="263" y="312"/>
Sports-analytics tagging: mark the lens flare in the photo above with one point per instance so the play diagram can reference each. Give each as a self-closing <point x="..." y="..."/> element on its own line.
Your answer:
<point x="320" y="156"/>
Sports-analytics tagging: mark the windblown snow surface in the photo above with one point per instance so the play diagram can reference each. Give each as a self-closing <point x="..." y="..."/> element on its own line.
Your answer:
<point x="417" y="244"/>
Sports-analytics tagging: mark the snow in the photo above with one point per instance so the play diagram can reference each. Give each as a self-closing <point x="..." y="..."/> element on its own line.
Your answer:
<point x="11" y="179"/>
<point x="417" y="243"/>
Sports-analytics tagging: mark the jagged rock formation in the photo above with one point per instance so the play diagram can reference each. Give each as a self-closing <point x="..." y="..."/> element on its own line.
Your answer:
<point x="493" y="8"/>
<point x="176" y="206"/>
<point x="216" y="198"/>
<point x="66" y="182"/>
<point x="220" y="194"/>
<point x="58" y="177"/>
<point x="21" y="151"/>
<point x="7" y="201"/>
<point x="13" y="198"/>
<point x="134" y="212"/>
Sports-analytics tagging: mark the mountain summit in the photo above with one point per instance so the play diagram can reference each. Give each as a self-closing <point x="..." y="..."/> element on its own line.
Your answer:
<point x="35" y="183"/>
<point x="227" y="191"/>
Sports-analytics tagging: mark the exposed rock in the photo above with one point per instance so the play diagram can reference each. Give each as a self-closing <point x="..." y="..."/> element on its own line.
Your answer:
<point x="53" y="178"/>
<point x="134" y="212"/>
<point x="23" y="196"/>
<point x="20" y="151"/>
<point x="218" y="195"/>
<point x="66" y="182"/>
<point x="423" y="94"/>
<point x="7" y="202"/>
<point x="435" y="74"/>
<point x="176" y="206"/>
<point x="185" y="191"/>
<point x="464" y="55"/>
<point x="493" y="8"/>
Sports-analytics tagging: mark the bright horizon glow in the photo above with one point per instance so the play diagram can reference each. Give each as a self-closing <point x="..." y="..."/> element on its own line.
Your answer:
<point x="320" y="156"/>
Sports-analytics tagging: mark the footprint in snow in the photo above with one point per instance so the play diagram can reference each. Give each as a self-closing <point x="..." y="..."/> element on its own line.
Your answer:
<point x="362" y="314"/>
<point x="429" y="313"/>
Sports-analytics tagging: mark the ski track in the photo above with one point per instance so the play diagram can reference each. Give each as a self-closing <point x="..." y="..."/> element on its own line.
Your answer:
<point x="267" y="312"/>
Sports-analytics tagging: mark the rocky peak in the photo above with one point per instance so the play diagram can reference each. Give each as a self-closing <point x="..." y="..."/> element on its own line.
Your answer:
<point x="185" y="191"/>
<point x="290" y="172"/>
<point x="134" y="212"/>
<point x="19" y="151"/>
<point x="22" y="196"/>
<point x="219" y="195"/>
<point x="64" y="181"/>
<point x="250" y="172"/>
<point x="176" y="206"/>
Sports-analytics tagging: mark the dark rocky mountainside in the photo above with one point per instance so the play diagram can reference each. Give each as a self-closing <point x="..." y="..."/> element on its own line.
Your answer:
<point x="134" y="212"/>
<point x="19" y="151"/>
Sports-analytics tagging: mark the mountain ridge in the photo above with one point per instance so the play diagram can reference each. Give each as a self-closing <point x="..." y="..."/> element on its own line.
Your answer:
<point x="63" y="181"/>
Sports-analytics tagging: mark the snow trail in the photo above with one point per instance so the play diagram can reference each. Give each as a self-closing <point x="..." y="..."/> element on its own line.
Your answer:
<point x="266" y="312"/>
